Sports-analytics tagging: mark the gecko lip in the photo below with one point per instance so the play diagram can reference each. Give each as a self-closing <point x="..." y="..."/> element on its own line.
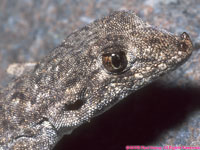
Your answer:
<point x="47" y="123"/>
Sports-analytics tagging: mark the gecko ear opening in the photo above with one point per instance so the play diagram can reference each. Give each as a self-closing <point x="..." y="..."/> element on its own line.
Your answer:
<point x="75" y="106"/>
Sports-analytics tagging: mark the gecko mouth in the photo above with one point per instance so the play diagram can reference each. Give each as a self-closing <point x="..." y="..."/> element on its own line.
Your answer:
<point x="47" y="124"/>
<point x="44" y="123"/>
<point x="24" y="136"/>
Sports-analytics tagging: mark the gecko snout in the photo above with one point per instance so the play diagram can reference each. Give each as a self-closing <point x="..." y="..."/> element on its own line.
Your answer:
<point x="185" y="43"/>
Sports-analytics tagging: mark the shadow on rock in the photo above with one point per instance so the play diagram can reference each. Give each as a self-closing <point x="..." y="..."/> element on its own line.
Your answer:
<point x="137" y="120"/>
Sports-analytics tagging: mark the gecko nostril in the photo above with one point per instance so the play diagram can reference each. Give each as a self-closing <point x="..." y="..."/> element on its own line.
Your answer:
<point x="184" y="36"/>
<point x="75" y="106"/>
<point x="183" y="46"/>
<point x="185" y="43"/>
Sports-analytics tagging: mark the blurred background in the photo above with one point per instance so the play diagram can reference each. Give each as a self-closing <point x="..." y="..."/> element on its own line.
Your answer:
<point x="165" y="113"/>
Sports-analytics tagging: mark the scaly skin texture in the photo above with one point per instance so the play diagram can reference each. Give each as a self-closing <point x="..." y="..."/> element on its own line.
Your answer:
<point x="93" y="69"/>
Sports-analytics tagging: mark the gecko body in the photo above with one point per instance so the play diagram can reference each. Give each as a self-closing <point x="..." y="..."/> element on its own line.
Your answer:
<point x="89" y="72"/>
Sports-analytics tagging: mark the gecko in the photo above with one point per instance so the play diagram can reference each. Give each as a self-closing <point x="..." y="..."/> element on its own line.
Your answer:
<point x="93" y="69"/>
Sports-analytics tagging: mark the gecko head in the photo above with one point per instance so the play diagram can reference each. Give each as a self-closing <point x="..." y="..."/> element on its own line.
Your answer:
<point x="120" y="65"/>
<point x="114" y="57"/>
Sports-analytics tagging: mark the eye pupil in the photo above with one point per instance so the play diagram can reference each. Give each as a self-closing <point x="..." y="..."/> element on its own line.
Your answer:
<point x="114" y="62"/>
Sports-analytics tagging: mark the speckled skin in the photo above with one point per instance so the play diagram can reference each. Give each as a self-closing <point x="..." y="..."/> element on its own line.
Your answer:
<point x="71" y="85"/>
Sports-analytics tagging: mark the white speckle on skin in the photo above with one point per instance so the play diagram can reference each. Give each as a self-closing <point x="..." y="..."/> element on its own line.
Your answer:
<point x="57" y="68"/>
<point x="36" y="87"/>
<point x="180" y="53"/>
<point x="28" y="106"/>
<point x="38" y="96"/>
<point x="15" y="101"/>
<point x="147" y="51"/>
<point x="138" y="76"/>
<point x="162" y="66"/>
<point x="148" y="68"/>
<point x="47" y="124"/>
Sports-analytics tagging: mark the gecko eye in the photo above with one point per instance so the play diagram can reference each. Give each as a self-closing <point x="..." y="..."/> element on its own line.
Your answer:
<point x="114" y="62"/>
